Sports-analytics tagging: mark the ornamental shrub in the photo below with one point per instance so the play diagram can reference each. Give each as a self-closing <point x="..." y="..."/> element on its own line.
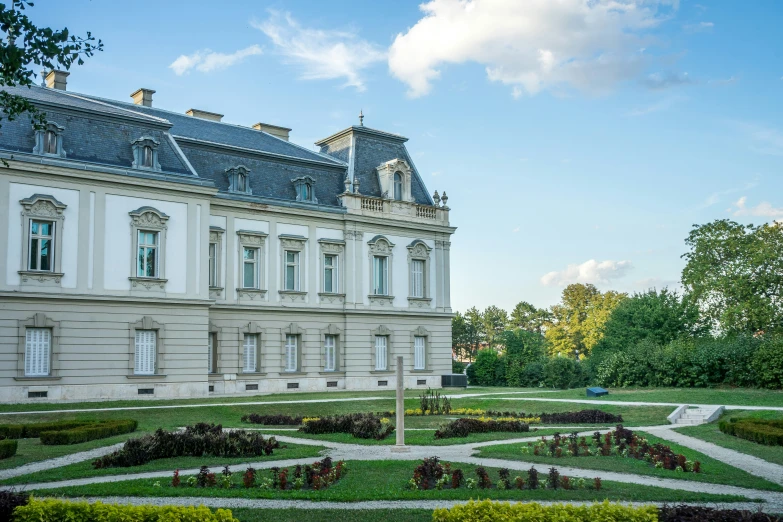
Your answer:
<point x="761" y="431"/>
<point x="32" y="431"/>
<point x="482" y="372"/>
<point x="465" y="426"/>
<point x="705" y="514"/>
<point x="59" y="510"/>
<point x="272" y="420"/>
<point x="92" y="431"/>
<point x="767" y="363"/>
<point x="360" y="425"/>
<point x="457" y="366"/>
<point x="564" y="373"/>
<point x="7" y="448"/>
<point x="10" y="500"/>
<point x="533" y="512"/>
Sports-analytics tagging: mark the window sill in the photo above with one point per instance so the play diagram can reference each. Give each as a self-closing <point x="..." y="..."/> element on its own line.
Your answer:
<point x="295" y="374"/>
<point x="422" y="371"/>
<point x="293" y="295"/>
<point x="382" y="300"/>
<point x="40" y="276"/>
<point x="40" y="378"/>
<point x="250" y="374"/>
<point x="328" y="297"/>
<point x="148" y="283"/>
<point x="215" y="292"/>
<point x="336" y="372"/>
<point x="251" y="293"/>
<point x="381" y="372"/>
<point x="419" y="302"/>
<point x="143" y="377"/>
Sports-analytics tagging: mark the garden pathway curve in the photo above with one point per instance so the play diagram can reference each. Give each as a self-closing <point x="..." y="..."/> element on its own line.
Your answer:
<point x="58" y="462"/>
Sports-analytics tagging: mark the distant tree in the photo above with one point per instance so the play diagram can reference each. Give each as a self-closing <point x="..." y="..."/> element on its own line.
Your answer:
<point x="460" y="343"/>
<point x="475" y="333"/>
<point x="495" y="320"/>
<point x="598" y="313"/>
<point x="525" y="316"/>
<point x="734" y="274"/>
<point x="24" y="45"/>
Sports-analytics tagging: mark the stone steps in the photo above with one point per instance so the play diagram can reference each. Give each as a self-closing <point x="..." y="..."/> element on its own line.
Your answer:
<point x="693" y="416"/>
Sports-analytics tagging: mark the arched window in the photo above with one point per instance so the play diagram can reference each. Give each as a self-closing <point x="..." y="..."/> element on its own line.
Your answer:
<point x="147" y="157"/>
<point x="50" y="142"/>
<point x="398" y="186"/>
<point x="241" y="183"/>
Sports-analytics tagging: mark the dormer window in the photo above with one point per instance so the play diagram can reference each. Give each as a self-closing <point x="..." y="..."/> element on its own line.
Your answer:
<point x="304" y="189"/>
<point x="394" y="178"/>
<point x="237" y="180"/>
<point x="398" y="186"/>
<point x="241" y="183"/>
<point x="49" y="140"/>
<point x="145" y="153"/>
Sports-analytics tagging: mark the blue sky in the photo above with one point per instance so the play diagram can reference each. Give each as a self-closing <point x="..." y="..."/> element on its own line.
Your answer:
<point x="576" y="141"/>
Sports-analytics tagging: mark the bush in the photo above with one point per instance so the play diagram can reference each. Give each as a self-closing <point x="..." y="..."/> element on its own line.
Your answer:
<point x="564" y="373"/>
<point x="705" y="514"/>
<point x="464" y="427"/>
<point x="761" y="431"/>
<point x="272" y="420"/>
<point x="58" y="510"/>
<point x="533" y="512"/>
<point x="7" y="448"/>
<point x="360" y="425"/>
<point x="482" y="372"/>
<point x="196" y="441"/>
<point x="767" y="363"/>
<point x="10" y="500"/>
<point x="94" y="431"/>
<point x="33" y="431"/>
<point x="457" y="366"/>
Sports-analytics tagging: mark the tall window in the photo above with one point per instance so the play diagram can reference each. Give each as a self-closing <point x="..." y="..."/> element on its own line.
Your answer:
<point x="398" y="186"/>
<point x="417" y="278"/>
<point x="381" y="352"/>
<point x="291" y="346"/>
<point x="148" y="254"/>
<point x="330" y="274"/>
<point x="419" y="353"/>
<point x="330" y="353"/>
<point x="212" y="353"/>
<point x="37" y="352"/>
<point x="213" y="277"/>
<point x="241" y="183"/>
<point x="146" y="347"/>
<point x="146" y="157"/>
<point x="291" y="270"/>
<point x="249" y="267"/>
<point x="380" y="275"/>
<point x="41" y="248"/>
<point x="250" y="353"/>
<point x="50" y="142"/>
<point x="307" y="192"/>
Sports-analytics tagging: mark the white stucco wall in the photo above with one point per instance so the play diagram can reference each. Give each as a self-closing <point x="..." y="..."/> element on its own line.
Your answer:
<point x="69" y="236"/>
<point x="399" y="269"/>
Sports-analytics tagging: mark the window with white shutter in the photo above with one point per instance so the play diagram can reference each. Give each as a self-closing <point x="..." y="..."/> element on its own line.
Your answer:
<point x="417" y="278"/>
<point x="291" y="342"/>
<point x="419" y="353"/>
<point x="381" y="349"/>
<point x="146" y="347"/>
<point x="37" y="353"/>
<point x="330" y="353"/>
<point x="212" y="353"/>
<point x="250" y="353"/>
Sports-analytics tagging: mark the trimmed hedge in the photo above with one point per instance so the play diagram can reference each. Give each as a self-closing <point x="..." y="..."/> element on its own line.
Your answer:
<point x="465" y="426"/>
<point x="92" y="431"/>
<point x="7" y="448"/>
<point x="59" y="510"/>
<point x="272" y="420"/>
<point x="705" y="514"/>
<point x="33" y="431"/>
<point x="360" y="425"/>
<point x="533" y="512"/>
<point x="761" y="431"/>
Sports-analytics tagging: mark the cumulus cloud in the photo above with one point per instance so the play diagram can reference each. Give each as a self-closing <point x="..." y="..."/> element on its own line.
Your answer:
<point x="591" y="271"/>
<point x="763" y="209"/>
<point x="533" y="45"/>
<point x="207" y="61"/>
<point x="320" y="54"/>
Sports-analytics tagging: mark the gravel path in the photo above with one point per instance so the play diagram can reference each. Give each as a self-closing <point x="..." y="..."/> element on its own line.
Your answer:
<point x="641" y="403"/>
<point x="65" y="460"/>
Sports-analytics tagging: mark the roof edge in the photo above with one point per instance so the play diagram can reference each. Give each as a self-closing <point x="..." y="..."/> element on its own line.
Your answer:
<point x="361" y="129"/>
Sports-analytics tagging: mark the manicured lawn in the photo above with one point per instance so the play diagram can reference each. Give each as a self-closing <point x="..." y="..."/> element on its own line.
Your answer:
<point x="711" y="433"/>
<point x="386" y="480"/>
<point x="31" y="450"/>
<point x="713" y="471"/>
<point x="332" y="515"/>
<point x="719" y="396"/>
<point x="85" y="469"/>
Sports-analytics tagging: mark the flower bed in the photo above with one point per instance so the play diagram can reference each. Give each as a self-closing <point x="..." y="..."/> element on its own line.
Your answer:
<point x="272" y="420"/>
<point x="317" y="476"/>
<point x="465" y="426"/>
<point x="760" y="431"/>
<point x="67" y="432"/>
<point x="574" y="417"/>
<point x="620" y="442"/>
<point x="360" y="425"/>
<point x="194" y="441"/>
<point x="431" y="474"/>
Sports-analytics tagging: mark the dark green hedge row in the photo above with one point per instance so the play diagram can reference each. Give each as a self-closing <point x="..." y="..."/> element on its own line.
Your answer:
<point x="93" y="431"/>
<point x="769" y="432"/>
<point x="7" y="448"/>
<point x="33" y="431"/>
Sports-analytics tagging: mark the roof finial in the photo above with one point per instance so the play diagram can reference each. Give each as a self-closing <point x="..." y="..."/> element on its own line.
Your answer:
<point x="361" y="118"/>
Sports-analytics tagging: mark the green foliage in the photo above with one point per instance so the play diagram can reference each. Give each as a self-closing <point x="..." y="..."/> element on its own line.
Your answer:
<point x="457" y="366"/>
<point x="35" y="430"/>
<point x="59" y="510"/>
<point x="484" y="372"/>
<point x="734" y="274"/>
<point x="767" y="363"/>
<point x="92" y="431"/>
<point x="7" y="448"/>
<point x="467" y="333"/>
<point x="525" y="316"/>
<point x="522" y="349"/>
<point x="761" y="431"/>
<point x="564" y="373"/>
<point x="494" y="320"/>
<point x="533" y="512"/>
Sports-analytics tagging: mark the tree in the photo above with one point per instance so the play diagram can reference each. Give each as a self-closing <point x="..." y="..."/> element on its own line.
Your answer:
<point x="734" y="274"/>
<point x="25" y="45"/>
<point x="474" y="331"/>
<point x="494" y="320"/>
<point x="527" y="317"/>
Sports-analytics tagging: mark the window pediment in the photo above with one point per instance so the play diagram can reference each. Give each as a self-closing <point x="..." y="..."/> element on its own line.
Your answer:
<point x="148" y="217"/>
<point x="43" y="205"/>
<point x="419" y="249"/>
<point x="380" y="246"/>
<point x="394" y="178"/>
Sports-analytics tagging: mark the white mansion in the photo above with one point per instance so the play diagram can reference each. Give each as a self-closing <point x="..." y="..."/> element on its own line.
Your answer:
<point x="152" y="253"/>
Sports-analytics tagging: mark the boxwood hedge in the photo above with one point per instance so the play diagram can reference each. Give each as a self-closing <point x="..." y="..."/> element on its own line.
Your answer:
<point x="761" y="431"/>
<point x="59" y="510"/>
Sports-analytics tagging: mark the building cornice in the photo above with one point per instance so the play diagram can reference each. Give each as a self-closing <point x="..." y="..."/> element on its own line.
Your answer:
<point x="360" y="129"/>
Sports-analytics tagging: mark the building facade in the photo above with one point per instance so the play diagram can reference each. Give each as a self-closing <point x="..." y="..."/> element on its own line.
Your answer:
<point x="155" y="254"/>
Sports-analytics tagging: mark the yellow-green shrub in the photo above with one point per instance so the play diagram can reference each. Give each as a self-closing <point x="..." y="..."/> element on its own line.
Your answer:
<point x="532" y="512"/>
<point x="59" y="510"/>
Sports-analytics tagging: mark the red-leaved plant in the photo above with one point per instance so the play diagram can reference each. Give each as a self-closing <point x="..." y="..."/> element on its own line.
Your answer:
<point x="175" y="479"/>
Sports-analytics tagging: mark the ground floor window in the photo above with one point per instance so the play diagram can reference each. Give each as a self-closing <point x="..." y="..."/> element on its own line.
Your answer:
<point x="146" y="347"/>
<point x="419" y="352"/>
<point x="37" y="354"/>
<point x="212" y="353"/>
<point x="250" y="353"/>
<point x="381" y="352"/>
<point x="330" y="353"/>
<point x="291" y="348"/>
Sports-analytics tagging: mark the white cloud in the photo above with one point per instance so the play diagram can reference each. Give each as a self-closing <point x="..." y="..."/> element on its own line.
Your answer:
<point x="701" y="26"/>
<point x="716" y="197"/>
<point x="532" y="45"/>
<point x="207" y="61"/>
<point x="516" y="229"/>
<point x="659" y="81"/>
<point x="321" y="55"/>
<point x="588" y="272"/>
<point x="763" y="209"/>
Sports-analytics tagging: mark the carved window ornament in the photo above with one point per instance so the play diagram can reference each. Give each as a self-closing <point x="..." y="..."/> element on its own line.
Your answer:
<point x="305" y="189"/>
<point x="147" y="324"/>
<point x="251" y="254"/>
<point x="252" y="349"/>
<point x="332" y="272"/>
<point x="394" y="178"/>
<point x="145" y="153"/>
<point x="49" y="140"/>
<point x="42" y="235"/>
<point x="215" y="253"/>
<point x="419" y="274"/>
<point x="381" y="254"/>
<point x="238" y="180"/>
<point x="30" y="330"/>
<point x="148" y="256"/>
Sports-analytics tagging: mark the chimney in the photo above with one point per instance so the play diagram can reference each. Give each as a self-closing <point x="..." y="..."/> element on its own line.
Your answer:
<point x="143" y="97"/>
<point x="274" y="130"/>
<point x="204" y="115"/>
<point x="57" y="79"/>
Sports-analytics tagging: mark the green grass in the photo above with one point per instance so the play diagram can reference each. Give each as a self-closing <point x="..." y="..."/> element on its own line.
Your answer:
<point x="719" y="396"/>
<point x="711" y="433"/>
<point x="386" y="480"/>
<point x="85" y="469"/>
<point x="713" y="471"/>
<point x="31" y="450"/>
<point x="330" y="515"/>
